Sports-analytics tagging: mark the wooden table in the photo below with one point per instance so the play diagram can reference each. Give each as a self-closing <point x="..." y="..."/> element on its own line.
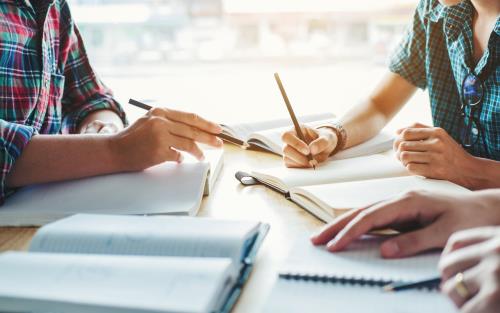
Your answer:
<point x="233" y="201"/>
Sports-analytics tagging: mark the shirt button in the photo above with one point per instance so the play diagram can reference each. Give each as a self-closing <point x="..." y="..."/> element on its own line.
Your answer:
<point x="475" y="131"/>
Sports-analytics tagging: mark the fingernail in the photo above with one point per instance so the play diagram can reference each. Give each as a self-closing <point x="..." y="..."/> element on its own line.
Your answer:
<point x="304" y="150"/>
<point x="180" y="158"/>
<point x="331" y="244"/>
<point x="390" y="249"/>
<point x="219" y="142"/>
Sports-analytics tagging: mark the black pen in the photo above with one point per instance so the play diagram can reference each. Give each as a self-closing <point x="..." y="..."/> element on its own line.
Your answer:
<point x="432" y="283"/>
<point x="147" y="107"/>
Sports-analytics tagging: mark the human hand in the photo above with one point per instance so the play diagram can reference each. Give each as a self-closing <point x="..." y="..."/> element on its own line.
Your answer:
<point x="425" y="219"/>
<point x="321" y="141"/>
<point x="476" y="254"/>
<point x="431" y="152"/>
<point x="101" y="122"/>
<point x="159" y="135"/>
<point x="101" y="127"/>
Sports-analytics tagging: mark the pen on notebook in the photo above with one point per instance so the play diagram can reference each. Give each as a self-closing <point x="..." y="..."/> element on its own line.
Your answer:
<point x="428" y="283"/>
<point x="296" y="124"/>
<point x="148" y="107"/>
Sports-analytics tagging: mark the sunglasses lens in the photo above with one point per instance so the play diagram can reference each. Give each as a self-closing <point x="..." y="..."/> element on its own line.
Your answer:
<point x="472" y="90"/>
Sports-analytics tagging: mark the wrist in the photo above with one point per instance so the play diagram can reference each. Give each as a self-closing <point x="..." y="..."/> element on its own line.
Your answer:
<point x="339" y="133"/>
<point x="116" y="152"/>
<point x="476" y="173"/>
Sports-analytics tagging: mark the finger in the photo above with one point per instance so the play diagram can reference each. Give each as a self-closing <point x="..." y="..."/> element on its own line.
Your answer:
<point x="414" y="125"/>
<point x="416" y="146"/>
<point x="412" y="134"/>
<point x="380" y="215"/>
<point x="329" y="231"/>
<point x="187" y="118"/>
<point x="407" y="157"/>
<point x="419" y="169"/>
<point x="292" y="164"/>
<point x="108" y="128"/>
<point x="193" y="133"/>
<point x="296" y="156"/>
<point x="414" y="242"/>
<point x="174" y="155"/>
<point x="93" y="127"/>
<point x="459" y="261"/>
<point x="469" y="237"/>
<point x="187" y="145"/>
<point x="470" y="280"/>
<point x="291" y="139"/>
<point x="319" y="145"/>
<point x="320" y="158"/>
<point x="480" y="304"/>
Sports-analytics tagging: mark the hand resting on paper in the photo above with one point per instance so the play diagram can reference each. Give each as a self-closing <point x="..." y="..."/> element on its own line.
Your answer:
<point x="321" y="141"/>
<point x="476" y="254"/>
<point x="425" y="220"/>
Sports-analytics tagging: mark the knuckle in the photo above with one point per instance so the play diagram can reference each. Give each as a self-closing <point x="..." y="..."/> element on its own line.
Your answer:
<point x="156" y="111"/>
<point x="404" y="156"/>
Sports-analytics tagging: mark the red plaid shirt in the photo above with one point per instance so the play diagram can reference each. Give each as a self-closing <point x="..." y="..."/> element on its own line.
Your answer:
<point x="47" y="85"/>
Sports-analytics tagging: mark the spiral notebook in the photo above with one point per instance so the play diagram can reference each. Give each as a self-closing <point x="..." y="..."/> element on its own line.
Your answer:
<point x="351" y="280"/>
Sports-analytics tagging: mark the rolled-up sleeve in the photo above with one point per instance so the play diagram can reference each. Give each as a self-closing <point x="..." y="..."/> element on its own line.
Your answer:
<point x="408" y="59"/>
<point x="14" y="138"/>
<point x="84" y="92"/>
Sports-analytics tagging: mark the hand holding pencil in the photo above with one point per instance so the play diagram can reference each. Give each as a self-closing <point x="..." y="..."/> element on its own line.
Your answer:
<point x="305" y="147"/>
<point x="159" y="136"/>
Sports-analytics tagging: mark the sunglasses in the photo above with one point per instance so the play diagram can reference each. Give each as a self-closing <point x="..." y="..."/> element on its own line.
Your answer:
<point x="472" y="98"/>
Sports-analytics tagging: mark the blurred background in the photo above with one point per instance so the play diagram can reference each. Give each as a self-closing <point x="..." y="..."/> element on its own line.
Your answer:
<point x="217" y="57"/>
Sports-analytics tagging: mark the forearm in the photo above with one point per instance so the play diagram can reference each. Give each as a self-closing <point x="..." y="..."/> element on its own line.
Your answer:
<point x="482" y="173"/>
<point x="49" y="158"/>
<point x="367" y="119"/>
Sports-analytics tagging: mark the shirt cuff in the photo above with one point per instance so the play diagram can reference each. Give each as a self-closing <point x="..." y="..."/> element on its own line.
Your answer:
<point x="14" y="138"/>
<point x="72" y="120"/>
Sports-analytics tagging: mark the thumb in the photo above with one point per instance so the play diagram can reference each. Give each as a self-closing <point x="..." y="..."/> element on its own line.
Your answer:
<point x="411" y="243"/>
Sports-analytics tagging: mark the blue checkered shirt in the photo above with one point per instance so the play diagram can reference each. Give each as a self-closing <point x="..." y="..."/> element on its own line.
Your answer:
<point x="437" y="54"/>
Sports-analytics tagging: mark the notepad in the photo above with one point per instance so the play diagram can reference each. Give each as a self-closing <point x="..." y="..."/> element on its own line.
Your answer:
<point x="168" y="188"/>
<point x="351" y="280"/>
<point x="266" y="135"/>
<point x="341" y="185"/>
<point x="103" y="263"/>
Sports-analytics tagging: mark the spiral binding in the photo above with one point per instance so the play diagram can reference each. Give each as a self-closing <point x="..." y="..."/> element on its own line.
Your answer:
<point x="323" y="278"/>
<point x="331" y="279"/>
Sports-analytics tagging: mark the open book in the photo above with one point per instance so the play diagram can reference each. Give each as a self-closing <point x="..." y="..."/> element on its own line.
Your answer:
<point x="168" y="188"/>
<point x="352" y="281"/>
<point x="337" y="186"/>
<point x="266" y="135"/>
<point x="100" y="263"/>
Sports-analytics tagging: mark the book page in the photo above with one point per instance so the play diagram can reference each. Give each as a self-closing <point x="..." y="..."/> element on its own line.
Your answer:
<point x="49" y="282"/>
<point x="361" y="260"/>
<point x="361" y="168"/>
<point x="357" y="194"/>
<point x="243" y="131"/>
<point x="141" y="235"/>
<point x="168" y="188"/>
<point x="320" y="297"/>
<point x="380" y="143"/>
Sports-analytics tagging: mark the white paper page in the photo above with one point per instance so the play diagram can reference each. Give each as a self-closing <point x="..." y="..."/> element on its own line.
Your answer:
<point x="67" y="283"/>
<point x="141" y="235"/>
<point x="361" y="260"/>
<point x="244" y="130"/>
<point x="373" y="166"/>
<point x="301" y="296"/>
<point x="358" y="194"/>
<point x="215" y="159"/>
<point x="380" y="143"/>
<point x="168" y="188"/>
